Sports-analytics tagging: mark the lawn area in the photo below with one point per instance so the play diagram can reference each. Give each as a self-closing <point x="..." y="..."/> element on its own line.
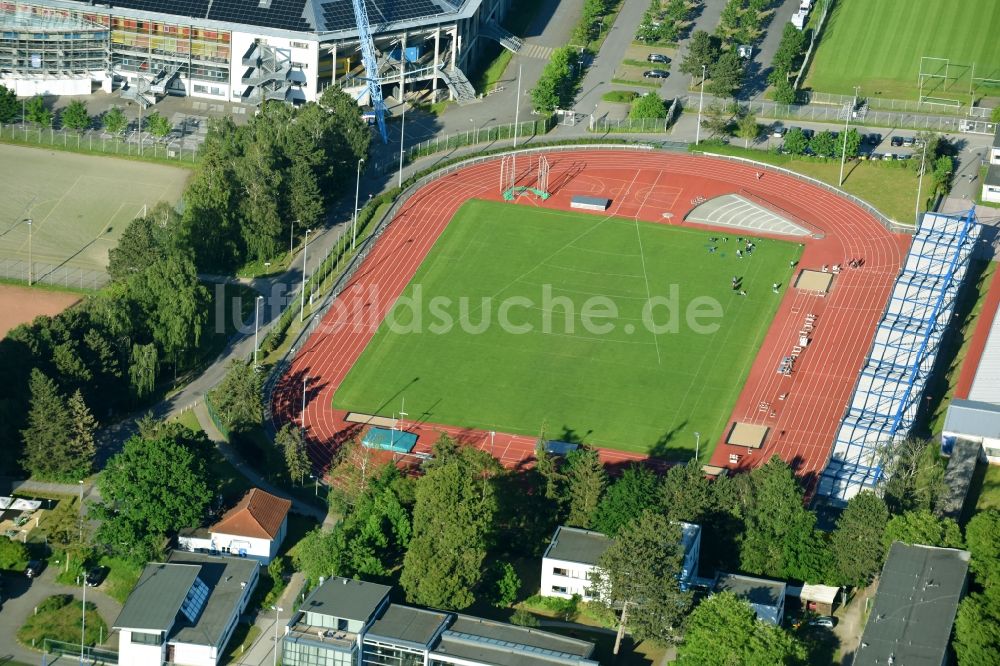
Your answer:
<point x="891" y="188"/>
<point x="122" y="577"/>
<point x="989" y="496"/>
<point x="625" y="379"/>
<point x="878" y="45"/>
<point x="58" y="618"/>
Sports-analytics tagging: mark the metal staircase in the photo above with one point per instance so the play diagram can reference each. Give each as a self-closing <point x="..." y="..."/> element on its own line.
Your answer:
<point x="459" y="85"/>
<point x="267" y="73"/>
<point x="141" y="93"/>
<point x="507" y="39"/>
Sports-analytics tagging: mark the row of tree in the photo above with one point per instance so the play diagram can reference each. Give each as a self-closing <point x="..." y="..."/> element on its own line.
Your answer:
<point x="75" y="116"/>
<point x="706" y="58"/>
<point x="557" y="85"/>
<point x="977" y="625"/>
<point x="786" y="62"/>
<point x="591" y="21"/>
<point x="664" y="21"/>
<point x="742" y="21"/>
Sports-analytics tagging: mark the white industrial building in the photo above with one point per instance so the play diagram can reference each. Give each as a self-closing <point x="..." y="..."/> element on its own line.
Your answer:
<point x="244" y="51"/>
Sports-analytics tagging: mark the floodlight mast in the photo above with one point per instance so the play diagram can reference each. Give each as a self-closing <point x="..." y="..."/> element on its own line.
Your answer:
<point x="371" y="65"/>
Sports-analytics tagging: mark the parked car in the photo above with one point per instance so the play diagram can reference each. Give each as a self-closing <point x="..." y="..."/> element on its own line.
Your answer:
<point x="897" y="141"/>
<point x="656" y="74"/>
<point x="779" y="131"/>
<point x="824" y="621"/>
<point x="658" y="57"/>
<point x="908" y="141"/>
<point x="873" y="139"/>
<point x="888" y="157"/>
<point x="808" y="133"/>
<point x="34" y="568"/>
<point x="96" y="576"/>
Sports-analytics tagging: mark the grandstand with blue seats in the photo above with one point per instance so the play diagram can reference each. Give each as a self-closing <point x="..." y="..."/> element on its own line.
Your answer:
<point x="888" y="391"/>
<point x="246" y="51"/>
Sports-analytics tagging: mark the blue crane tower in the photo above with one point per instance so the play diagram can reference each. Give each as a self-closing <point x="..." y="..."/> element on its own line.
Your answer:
<point x="371" y="65"/>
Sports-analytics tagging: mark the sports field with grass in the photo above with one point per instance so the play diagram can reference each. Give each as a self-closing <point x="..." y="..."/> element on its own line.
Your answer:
<point x="877" y="44"/>
<point x="79" y="204"/>
<point x="523" y="319"/>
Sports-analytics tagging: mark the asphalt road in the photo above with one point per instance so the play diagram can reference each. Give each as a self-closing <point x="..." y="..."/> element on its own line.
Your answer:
<point x="21" y="595"/>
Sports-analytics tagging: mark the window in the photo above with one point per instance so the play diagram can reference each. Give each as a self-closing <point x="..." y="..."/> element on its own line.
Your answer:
<point x="299" y="45"/>
<point x="146" y="639"/>
<point x="559" y="571"/>
<point x="559" y="589"/>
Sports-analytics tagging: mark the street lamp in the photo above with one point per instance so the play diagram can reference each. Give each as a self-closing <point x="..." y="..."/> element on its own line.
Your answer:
<point x="357" y="189"/>
<point x="81" y="511"/>
<point x="276" y="609"/>
<point x="847" y="122"/>
<point x="493" y="434"/>
<point x="473" y="121"/>
<point x="256" y="327"/>
<point x="83" y="616"/>
<point x="28" y="222"/>
<point x="302" y="418"/>
<point x="291" y="238"/>
<point x="701" y="102"/>
<point x="316" y="485"/>
<point x="305" y="253"/>
<point x="697" y="444"/>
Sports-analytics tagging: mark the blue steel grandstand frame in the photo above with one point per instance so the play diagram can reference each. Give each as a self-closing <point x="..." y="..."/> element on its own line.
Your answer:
<point x="371" y="66"/>
<point x="889" y="388"/>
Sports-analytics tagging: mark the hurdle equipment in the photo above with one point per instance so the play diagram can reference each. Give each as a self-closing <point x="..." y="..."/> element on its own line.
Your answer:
<point x="507" y="179"/>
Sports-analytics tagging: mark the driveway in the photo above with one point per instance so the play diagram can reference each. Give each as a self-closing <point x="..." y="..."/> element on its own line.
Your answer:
<point x="756" y="80"/>
<point x="22" y="595"/>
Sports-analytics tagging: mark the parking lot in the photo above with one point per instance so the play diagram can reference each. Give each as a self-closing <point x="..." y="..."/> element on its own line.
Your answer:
<point x="883" y="144"/>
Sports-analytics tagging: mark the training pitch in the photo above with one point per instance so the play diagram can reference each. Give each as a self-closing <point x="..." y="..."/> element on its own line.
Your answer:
<point x="878" y="46"/>
<point x="79" y="204"/>
<point x="612" y="381"/>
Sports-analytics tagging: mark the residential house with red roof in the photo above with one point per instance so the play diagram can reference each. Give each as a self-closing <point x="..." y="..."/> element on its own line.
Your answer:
<point x="255" y="528"/>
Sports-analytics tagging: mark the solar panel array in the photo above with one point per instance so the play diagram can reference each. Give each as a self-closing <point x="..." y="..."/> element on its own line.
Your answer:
<point x="195" y="600"/>
<point x="282" y="14"/>
<point x="339" y="14"/>
<point x="194" y="8"/>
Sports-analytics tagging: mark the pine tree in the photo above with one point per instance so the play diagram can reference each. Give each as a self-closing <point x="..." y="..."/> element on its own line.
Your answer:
<point x="586" y="480"/>
<point x="46" y="438"/>
<point x="293" y="445"/>
<point x="81" y="443"/>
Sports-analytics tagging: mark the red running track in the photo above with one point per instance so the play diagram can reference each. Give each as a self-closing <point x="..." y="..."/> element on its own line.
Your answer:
<point x="642" y="186"/>
<point x="979" y="337"/>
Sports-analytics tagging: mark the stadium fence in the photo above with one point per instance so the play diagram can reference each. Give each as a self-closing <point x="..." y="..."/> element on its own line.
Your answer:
<point x="90" y="655"/>
<point x="57" y="275"/>
<point x="472" y="136"/>
<point x="144" y="146"/>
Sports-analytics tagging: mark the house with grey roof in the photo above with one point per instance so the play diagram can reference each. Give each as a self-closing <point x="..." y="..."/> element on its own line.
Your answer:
<point x="184" y="611"/>
<point x="350" y="622"/>
<point x="973" y="421"/>
<point x="766" y="597"/>
<point x="915" y="605"/>
<point x="575" y="552"/>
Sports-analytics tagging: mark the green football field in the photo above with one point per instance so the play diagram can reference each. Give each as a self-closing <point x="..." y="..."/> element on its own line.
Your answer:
<point x="877" y="44"/>
<point x="517" y="363"/>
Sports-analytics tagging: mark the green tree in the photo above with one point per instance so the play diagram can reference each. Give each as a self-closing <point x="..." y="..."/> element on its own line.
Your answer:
<point x="982" y="539"/>
<point x="977" y="628"/>
<point x="557" y="82"/>
<point x="784" y="92"/>
<point x="823" y="144"/>
<point x="14" y="555"/>
<point x="639" y="574"/>
<point x="856" y="544"/>
<point x="36" y="112"/>
<point x="523" y="618"/>
<point x="793" y="43"/>
<point x="145" y="241"/>
<point x="75" y="116"/>
<point x="748" y="129"/>
<point x="239" y="397"/>
<point x="796" y="141"/>
<point x="649" y="105"/>
<point x="142" y="503"/>
<point x="944" y="166"/>
<point x="915" y="473"/>
<point x="452" y="527"/>
<point x="318" y="555"/>
<point x="62" y="525"/>
<point x="289" y="439"/>
<point x="9" y="108"/>
<point x="143" y="366"/>
<point x="157" y="125"/>
<point x="47" y="453"/>
<point x="81" y="445"/>
<point x="508" y="584"/>
<point x="114" y="121"/>
<point x="726" y="75"/>
<point x="924" y="528"/>
<point x="548" y="468"/>
<point x="780" y="540"/>
<point x="703" y="50"/>
<point x="586" y="480"/>
<point x="627" y="498"/>
<point x="724" y="630"/>
<point x="685" y="494"/>
<point x="853" y="143"/>
<point x="175" y="303"/>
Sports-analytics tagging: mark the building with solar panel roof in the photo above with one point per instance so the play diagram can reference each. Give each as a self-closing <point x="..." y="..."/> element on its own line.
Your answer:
<point x="245" y="51"/>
